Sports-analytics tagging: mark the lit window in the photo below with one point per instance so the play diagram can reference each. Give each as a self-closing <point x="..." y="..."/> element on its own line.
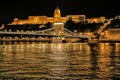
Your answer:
<point x="36" y="20"/>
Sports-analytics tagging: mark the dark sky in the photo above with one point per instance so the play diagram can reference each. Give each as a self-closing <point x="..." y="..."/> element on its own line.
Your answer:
<point x="23" y="8"/>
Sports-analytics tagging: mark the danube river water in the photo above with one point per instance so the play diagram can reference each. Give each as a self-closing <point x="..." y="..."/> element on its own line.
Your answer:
<point x="59" y="61"/>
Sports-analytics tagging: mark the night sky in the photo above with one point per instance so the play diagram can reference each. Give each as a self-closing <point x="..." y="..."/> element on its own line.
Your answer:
<point x="23" y="8"/>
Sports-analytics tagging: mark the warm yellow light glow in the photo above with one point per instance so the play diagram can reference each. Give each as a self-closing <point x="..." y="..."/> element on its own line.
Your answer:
<point x="57" y="13"/>
<point x="56" y="18"/>
<point x="35" y="19"/>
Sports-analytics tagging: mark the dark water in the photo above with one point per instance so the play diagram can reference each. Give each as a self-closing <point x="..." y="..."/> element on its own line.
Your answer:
<point x="60" y="61"/>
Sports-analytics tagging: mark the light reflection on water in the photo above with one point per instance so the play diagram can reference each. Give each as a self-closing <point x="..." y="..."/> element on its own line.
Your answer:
<point x="63" y="61"/>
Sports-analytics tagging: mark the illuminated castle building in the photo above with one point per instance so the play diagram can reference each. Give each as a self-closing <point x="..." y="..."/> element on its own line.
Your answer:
<point x="44" y="19"/>
<point x="57" y="18"/>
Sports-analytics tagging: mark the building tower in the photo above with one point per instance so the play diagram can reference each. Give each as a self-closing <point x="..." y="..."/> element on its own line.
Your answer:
<point x="57" y="15"/>
<point x="57" y="12"/>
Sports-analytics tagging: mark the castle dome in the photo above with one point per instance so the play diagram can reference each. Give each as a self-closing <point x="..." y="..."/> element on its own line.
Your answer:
<point x="57" y="12"/>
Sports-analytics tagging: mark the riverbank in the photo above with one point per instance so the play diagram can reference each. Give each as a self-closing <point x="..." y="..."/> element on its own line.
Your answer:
<point x="64" y="41"/>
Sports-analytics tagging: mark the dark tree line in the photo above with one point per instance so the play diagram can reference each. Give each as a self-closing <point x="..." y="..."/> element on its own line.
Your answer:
<point x="27" y="27"/>
<point x="69" y="24"/>
<point x="115" y="23"/>
<point x="82" y="27"/>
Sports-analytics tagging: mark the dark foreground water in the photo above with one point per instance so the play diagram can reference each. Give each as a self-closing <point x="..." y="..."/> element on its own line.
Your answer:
<point x="60" y="61"/>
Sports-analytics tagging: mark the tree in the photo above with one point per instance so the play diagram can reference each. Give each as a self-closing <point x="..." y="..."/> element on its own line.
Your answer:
<point x="49" y="25"/>
<point x="70" y="24"/>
